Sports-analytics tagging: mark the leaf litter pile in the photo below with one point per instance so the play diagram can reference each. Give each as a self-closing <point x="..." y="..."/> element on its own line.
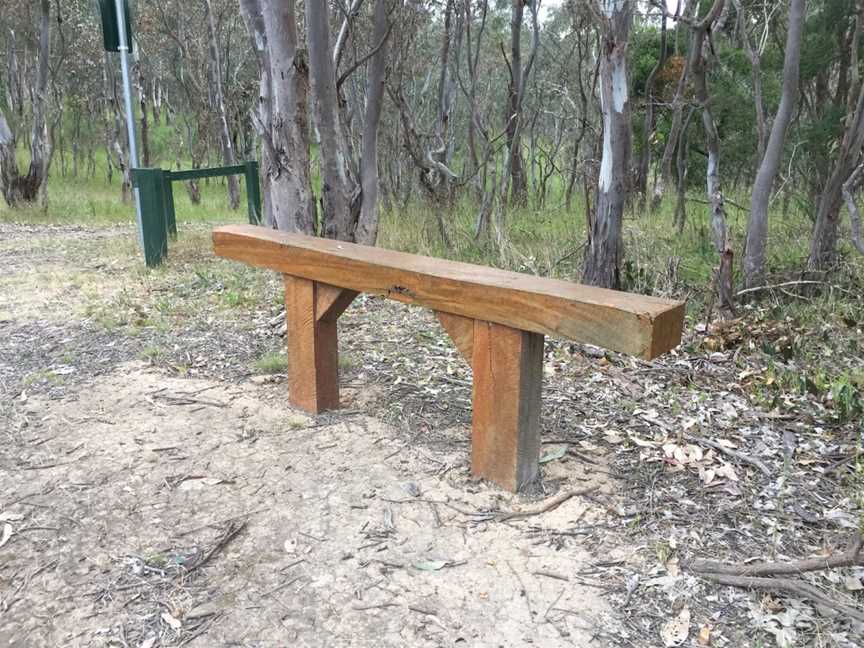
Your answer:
<point x="709" y="498"/>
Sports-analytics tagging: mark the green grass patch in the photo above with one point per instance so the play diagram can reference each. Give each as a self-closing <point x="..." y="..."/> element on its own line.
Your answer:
<point x="271" y="363"/>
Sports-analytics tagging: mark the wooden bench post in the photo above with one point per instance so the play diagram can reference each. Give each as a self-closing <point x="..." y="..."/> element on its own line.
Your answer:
<point x="505" y="432"/>
<point x="311" y="311"/>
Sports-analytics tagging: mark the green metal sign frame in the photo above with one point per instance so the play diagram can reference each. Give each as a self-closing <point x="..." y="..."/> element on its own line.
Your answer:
<point x="158" y="218"/>
<point x="110" y="32"/>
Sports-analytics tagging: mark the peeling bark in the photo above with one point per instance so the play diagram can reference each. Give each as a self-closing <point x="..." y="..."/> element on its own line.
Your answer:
<point x="605" y="243"/>
<point x="17" y="189"/>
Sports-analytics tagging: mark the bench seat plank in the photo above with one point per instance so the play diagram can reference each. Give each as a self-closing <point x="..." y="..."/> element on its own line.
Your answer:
<point x="634" y="324"/>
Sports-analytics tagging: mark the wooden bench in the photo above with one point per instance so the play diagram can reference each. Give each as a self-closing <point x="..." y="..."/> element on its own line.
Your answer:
<point x="497" y="320"/>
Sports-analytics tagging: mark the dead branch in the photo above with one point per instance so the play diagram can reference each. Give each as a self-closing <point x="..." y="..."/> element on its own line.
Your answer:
<point x="551" y="505"/>
<point x="853" y="556"/>
<point x="803" y="282"/>
<point x="740" y="456"/>
<point x="791" y="586"/>
<point x="231" y="532"/>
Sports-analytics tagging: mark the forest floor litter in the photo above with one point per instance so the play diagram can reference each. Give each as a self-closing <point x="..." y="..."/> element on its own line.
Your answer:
<point x="157" y="489"/>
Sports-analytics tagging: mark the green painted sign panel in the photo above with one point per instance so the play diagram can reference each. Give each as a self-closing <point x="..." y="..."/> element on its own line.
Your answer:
<point x="110" y="35"/>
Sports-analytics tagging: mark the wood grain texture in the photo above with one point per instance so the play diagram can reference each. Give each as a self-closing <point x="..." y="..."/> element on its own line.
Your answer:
<point x="313" y="355"/>
<point x="461" y="331"/>
<point x="331" y="301"/>
<point x="505" y="430"/>
<point x="634" y="324"/>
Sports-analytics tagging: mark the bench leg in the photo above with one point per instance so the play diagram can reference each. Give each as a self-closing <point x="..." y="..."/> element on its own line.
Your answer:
<point x="311" y="311"/>
<point x="508" y="371"/>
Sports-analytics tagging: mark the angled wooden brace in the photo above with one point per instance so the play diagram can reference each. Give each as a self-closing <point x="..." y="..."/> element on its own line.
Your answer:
<point x="311" y="311"/>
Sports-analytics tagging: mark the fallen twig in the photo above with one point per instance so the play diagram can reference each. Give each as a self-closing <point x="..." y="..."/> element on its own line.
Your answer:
<point x="218" y="522"/>
<point x="785" y="284"/>
<point x="740" y="456"/>
<point x="551" y="505"/>
<point x="230" y="533"/>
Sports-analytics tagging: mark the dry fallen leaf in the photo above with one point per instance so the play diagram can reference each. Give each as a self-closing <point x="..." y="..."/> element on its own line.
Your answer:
<point x="172" y="621"/>
<point x="9" y="516"/>
<point x="552" y="455"/>
<point x="704" y="638"/>
<point x="672" y="567"/>
<point x="853" y="584"/>
<point x="7" y="533"/>
<point x="675" y="631"/>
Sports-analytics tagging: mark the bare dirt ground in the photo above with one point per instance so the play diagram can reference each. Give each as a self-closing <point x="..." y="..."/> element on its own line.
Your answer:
<point x="156" y="489"/>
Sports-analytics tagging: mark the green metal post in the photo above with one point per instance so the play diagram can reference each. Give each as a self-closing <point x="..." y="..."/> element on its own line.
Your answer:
<point x="253" y="192"/>
<point x="150" y="183"/>
<point x="168" y="197"/>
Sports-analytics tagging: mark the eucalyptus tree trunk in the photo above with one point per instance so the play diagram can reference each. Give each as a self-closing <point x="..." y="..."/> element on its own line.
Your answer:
<point x="145" y="125"/>
<point x="349" y="203"/>
<point x="288" y="139"/>
<point x="438" y="157"/>
<point x="367" y="224"/>
<point x="16" y="188"/>
<point x="849" y="189"/>
<point x="336" y="185"/>
<point x="261" y="111"/>
<point x="518" y="182"/>
<point x="823" y="246"/>
<point x="663" y="179"/>
<point x="648" y="128"/>
<point x="755" y="54"/>
<point x="757" y="226"/>
<point x="712" y="144"/>
<point x="228" y="156"/>
<point x="605" y="241"/>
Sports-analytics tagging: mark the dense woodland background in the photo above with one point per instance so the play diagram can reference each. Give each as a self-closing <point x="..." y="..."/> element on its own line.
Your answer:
<point x="728" y="132"/>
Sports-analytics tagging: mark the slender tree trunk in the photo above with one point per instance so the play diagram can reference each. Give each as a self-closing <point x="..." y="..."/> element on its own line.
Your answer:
<point x="518" y="182"/>
<point x="648" y="128"/>
<point x="605" y="244"/>
<point x="663" y="179"/>
<point x="15" y="187"/>
<point x="823" y="246"/>
<point x="145" y="126"/>
<point x="228" y="156"/>
<point x="849" y="189"/>
<point x="681" y="200"/>
<point x="367" y="225"/>
<point x="336" y="186"/>
<point x="712" y="143"/>
<point x="290" y="187"/>
<point x="262" y="110"/>
<point x="757" y="226"/>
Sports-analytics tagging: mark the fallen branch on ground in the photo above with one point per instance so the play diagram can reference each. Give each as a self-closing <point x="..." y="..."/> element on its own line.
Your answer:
<point x="740" y="456"/>
<point x="551" y="505"/>
<point x="785" y="284"/>
<point x="759" y="576"/>
<point x="791" y="586"/>
<point x="851" y="557"/>
<point x="231" y="532"/>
